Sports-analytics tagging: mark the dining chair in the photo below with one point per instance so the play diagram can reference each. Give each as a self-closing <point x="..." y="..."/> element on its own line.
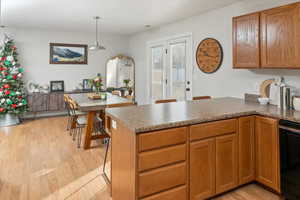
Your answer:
<point x="80" y="120"/>
<point x="74" y="113"/>
<point x="165" y="101"/>
<point x="66" y="101"/>
<point x="201" y="97"/>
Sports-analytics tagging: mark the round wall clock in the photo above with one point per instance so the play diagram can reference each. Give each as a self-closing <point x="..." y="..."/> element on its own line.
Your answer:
<point x="209" y="55"/>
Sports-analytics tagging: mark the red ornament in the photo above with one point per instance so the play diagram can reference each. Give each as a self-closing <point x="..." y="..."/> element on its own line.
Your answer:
<point x="1" y="89"/>
<point x="3" y="58"/>
<point x="15" y="77"/>
<point x="2" y="109"/>
<point x="7" y="92"/>
<point x="6" y="86"/>
<point x="14" y="105"/>
<point x="19" y="97"/>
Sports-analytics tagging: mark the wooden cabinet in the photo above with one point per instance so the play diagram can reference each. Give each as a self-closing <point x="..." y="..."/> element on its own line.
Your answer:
<point x="280" y="29"/>
<point x="161" y="164"/>
<point x="246" y="149"/>
<point x="213" y="160"/>
<point x="267" y="152"/>
<point x="268" y="39"/>
<point x="226" y="163"/>
<point x="194" y="162"/>
<point x="178" y="193"/>
<point x="202" y="169"/>
<point x="246" y="41"/>
<point x="161" y="179"/>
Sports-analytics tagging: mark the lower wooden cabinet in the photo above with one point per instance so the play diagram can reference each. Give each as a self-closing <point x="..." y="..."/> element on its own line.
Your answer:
<point x="202" y="169"/>
<point x="178" y="193"/>
<point x="226" y="163"/>
<point x="235" y="152"/>
<point x="221" y="163"/>
<point x="246" y="149"/>
<point x="267" y="152"/>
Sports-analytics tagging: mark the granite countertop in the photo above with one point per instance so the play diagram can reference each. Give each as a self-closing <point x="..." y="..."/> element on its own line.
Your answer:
<point x="161" y="116"/>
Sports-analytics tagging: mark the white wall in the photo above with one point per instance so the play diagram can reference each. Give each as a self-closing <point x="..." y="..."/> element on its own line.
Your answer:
<point x="216" y="24"/>
<point x="33" y="49"/>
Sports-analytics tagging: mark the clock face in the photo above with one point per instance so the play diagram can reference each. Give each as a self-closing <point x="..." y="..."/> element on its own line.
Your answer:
<point x="209" y="55"/>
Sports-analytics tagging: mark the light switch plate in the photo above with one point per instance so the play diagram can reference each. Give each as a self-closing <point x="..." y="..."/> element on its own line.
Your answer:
<point x="113" y="124"/>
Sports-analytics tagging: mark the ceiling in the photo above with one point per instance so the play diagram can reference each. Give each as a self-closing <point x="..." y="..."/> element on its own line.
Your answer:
<point x="118" y="16"/>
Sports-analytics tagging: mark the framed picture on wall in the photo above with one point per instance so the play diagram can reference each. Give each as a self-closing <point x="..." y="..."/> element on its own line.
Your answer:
<point x="61" y="53"/>
<point x="57" y="86"/>
<point x="86" y="85"/>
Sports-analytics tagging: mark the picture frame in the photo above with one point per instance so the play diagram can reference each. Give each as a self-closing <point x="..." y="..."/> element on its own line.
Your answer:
<point x="57" y="86"/>
<point x="86" y="85"/>
<point x="61" y="53"/>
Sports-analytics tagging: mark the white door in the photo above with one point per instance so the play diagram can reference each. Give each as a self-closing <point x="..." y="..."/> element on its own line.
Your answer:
<point x="170" y="67"/>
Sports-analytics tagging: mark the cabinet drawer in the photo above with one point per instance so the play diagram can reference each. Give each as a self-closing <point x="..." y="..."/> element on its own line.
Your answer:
<point x="177" y="193"/>
<point x="158" y="139"/>
<point x="162" y="179"/>
<point x="212" y="129"/>
<point x="161" y="157"/>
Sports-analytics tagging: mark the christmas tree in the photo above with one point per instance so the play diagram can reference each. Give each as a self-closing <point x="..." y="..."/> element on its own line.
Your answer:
<point x="12" y="94"/>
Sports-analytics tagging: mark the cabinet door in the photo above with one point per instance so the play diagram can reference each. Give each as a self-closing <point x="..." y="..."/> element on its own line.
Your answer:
<point x="267" y="152"/>
<point x="202" y="169"/>
<point x="246" y="149"/>
<point x="246" y="41"/>
<point x="280" y="39"/>
<point x="53" y="102"/>
<point x="226" y="163"/>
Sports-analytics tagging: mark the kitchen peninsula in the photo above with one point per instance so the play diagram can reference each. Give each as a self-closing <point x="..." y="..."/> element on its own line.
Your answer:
<point x="194" y="149"/>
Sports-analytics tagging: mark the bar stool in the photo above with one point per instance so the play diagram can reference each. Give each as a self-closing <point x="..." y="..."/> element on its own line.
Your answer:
<point x="201" y="97"/>
<point x="165" y="101"/>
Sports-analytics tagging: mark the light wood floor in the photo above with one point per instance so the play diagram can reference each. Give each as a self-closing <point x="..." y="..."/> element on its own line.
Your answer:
<point x="39" y="160"/>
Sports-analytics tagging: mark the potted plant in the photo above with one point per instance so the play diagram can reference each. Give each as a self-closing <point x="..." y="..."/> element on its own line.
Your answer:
<point x="127" y="82"/>
<point x="97" y="83"/>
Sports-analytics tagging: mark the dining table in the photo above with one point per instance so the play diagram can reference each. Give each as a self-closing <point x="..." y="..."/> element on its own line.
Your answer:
<point x="94" y="106"/>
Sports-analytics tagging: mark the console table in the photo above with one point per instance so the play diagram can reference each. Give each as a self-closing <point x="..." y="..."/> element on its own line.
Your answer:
<point x="52" y="102"/>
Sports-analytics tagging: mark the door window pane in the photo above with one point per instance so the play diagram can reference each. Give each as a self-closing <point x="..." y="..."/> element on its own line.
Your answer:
<point x="178" y="66"/>
<point x="157" y="73"/>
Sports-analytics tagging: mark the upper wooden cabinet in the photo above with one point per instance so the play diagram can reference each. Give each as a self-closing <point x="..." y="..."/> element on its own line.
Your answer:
<point x="280" y="37"/>
<point x="268" y="39"/>
<point x="246" y="41"/>
<point x="267" y="152"/>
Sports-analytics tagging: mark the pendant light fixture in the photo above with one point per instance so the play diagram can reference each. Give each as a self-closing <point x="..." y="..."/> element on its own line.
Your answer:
<point x="97" y="45"/>
<point x="2" y="28"/>
<point x="1" y="25"/>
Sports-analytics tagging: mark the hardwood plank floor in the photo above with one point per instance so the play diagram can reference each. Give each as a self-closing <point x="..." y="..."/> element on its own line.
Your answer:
<point x="39" y="160"/>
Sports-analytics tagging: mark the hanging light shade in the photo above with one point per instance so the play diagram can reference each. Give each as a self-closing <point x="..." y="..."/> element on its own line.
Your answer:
<point x="97" y="45"/>
<point x="1" y="21"/>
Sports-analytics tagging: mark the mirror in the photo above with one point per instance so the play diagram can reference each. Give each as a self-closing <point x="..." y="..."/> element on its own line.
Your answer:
<point x="120" y="76"/>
